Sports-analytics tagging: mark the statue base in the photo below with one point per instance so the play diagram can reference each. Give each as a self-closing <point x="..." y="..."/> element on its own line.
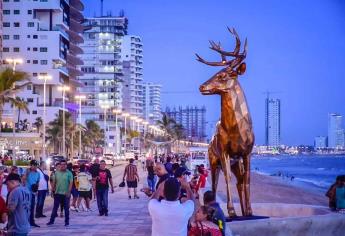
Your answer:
<point x="244" y="218"/>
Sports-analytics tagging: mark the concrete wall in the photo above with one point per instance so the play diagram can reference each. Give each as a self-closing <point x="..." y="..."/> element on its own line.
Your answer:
<point x="323" y="225"/>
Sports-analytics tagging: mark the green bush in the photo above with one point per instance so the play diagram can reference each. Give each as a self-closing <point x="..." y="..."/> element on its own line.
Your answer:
<point x="7" y="130"/>
<point x="18" y="163"/>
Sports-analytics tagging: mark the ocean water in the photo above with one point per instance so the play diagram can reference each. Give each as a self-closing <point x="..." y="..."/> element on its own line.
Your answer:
<point x="317" y="172"/>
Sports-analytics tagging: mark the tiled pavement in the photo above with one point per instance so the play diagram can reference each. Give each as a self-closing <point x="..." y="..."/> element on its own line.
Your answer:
<point x="126" y="217"/>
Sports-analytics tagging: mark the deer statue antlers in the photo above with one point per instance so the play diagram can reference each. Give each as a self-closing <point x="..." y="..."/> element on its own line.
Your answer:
<point x="232" y="64"/>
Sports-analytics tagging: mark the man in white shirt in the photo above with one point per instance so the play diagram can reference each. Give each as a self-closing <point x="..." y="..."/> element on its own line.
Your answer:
<point x="169" y="216"/>
<point x="84" y="187"/>
<point x="42" y="189"/>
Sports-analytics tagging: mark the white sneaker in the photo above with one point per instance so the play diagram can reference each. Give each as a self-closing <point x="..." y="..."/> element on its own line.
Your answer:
<point x="72" y="208"/>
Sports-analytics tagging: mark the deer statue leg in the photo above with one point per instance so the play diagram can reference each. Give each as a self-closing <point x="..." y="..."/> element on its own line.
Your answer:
<point x="236" y="169"/>
<point x="246" y="163"/>
<point x="214" y="170"/>
<point x="227" y="174"/>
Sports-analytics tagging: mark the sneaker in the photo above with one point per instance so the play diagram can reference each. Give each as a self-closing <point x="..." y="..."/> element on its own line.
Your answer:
<point x="72" y="208"/>
<point x="50" y="223"/>
<point x="136" y="197"/>
<point x="35" y="225"/>
<point x="129" y="197"/>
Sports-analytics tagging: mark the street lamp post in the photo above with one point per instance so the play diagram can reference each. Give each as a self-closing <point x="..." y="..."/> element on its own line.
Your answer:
<point x="125" y="115"/>
<point x="116" y="130"/>
<point x="14" y="62"/>
<point x="105" y="107"/>
<point x="44" y="78"/>
<point x="80" y="98"/>
<point x="63" y="88"/>
<point x="139" y="120"/>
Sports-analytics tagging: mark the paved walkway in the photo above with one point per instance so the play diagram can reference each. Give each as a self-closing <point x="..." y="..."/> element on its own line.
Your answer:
<point x="126" y="217"/>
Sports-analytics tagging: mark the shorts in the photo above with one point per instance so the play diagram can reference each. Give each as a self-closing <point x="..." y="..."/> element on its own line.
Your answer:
<point x="132" y="184"/>
<point x="75" y="192"/>
<point x="84" y="194"/>
<point x="90" y="194"/>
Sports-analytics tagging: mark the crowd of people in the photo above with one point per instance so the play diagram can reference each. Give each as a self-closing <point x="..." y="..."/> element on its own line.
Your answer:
<point x="174" y="198"/>
<point x="72" y="187"/>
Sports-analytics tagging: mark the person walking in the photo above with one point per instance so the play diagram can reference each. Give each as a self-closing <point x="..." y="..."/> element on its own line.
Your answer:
<point x="61" y="186"/>
<point x="18" y="205"/>
<point x="42" y="190"/>
<point x="132" y="178"/>
<point x="84" y="187"/>
<point x="31" y="179"/>
<point x="103" y="179"/>
<point x="151" y="176"/>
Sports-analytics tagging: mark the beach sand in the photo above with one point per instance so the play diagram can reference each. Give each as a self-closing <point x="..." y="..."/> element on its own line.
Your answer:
<point x="270" y="189"/>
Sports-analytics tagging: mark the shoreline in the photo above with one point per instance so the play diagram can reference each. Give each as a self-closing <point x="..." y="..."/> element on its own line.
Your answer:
<point x="268" y="189"/>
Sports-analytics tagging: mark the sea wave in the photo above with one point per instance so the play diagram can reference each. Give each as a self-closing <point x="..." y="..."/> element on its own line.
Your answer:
<point x="322" y="184"/>
<point x="321" y="168"/>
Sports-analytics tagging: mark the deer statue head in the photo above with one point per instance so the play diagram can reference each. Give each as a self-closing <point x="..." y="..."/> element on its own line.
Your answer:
<point x="225" y="79"/>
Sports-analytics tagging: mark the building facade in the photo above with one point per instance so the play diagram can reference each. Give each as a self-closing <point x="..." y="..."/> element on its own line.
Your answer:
<point x="272" y="122"/>
<point x="132" y="59"/>
<point x="193" y="120"/>
<point x="320" y="142"/>
<point x="152" y="102"/>
<point x="45" y="36"/>
<point x="335" y="131"/>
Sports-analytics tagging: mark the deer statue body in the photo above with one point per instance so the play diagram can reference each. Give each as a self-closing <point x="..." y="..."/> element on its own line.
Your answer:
<point x="231" y="145"/>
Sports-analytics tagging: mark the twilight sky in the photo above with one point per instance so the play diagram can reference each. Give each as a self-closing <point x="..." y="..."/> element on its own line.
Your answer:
<point x="296" y="48"/>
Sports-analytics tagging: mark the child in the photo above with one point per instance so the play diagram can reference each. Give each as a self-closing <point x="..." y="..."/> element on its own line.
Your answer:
<point x="331" y="193"/>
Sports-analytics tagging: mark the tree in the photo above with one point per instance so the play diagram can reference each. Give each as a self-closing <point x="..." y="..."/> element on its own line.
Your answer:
<point x="93" y="135"/>
<point x="9" y="85"/>
<point x="38" y="123"/>
<point x="22" y="105"/>
<point x="166" y="124"/>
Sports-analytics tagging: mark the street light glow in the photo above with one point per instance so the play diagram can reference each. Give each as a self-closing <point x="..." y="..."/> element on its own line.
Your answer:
<point x="14" y="60"/>
<point x="64" y="88"/>
<point x="45" y="77"/>
<point x="116" y="111"/>
<point x="80" y="97"/>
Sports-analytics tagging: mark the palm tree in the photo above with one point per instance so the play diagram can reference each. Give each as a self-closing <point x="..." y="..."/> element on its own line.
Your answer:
<point x="166" y="124"/>
<point x="22" y="105"/>
<point x="9" y="85"/>
<point x="93" y="135"/>
<point x="38" y="123"/>
<point x="55" y="132"/>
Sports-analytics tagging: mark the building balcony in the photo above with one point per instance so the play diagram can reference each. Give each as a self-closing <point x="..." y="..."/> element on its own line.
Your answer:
<point x="48" y="5"/>
<point x="77" y="4"/>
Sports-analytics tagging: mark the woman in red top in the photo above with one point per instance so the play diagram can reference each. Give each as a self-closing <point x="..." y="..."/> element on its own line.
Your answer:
<point x="202" y="178"/>
<point x="203" y="225"/>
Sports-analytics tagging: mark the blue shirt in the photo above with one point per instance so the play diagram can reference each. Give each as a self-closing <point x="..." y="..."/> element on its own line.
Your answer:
<point x="32" y="177"/>
<point x="18" y="204"/>
<point x="340" y="197"/>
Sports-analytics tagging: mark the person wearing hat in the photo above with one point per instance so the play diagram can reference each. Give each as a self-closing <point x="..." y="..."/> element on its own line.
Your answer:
<point x="18" y="205"/>
<point x="30" y="180"/>
<point x="182" y="174"/>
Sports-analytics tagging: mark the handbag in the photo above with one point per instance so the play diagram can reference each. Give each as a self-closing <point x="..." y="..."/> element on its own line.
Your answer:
<point x="122" y="184"/>
<point x="34" y="188"/>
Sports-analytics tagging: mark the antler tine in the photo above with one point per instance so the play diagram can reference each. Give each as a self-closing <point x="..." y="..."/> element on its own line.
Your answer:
<point x="216" y="47"/>
<point x="245" y="48"/>
<point x="238" y="41"/>
<point x="223" y="63"/>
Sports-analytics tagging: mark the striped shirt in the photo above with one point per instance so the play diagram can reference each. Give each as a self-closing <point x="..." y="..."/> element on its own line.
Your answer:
<point x="131" y="172"/>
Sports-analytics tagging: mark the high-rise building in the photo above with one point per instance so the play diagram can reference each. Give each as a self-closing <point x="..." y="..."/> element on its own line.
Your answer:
<point x="103" y="73"/>
<point x="320" y="142"/>
<point x="45" y="36"/>
<point x="272" y="122"/>
<point x="152" y="102"/>
<point x="102" y="79"/>
<point x="193" y="120"/>
<point x="132" y="61"/>
<point x="335" y="131"/>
